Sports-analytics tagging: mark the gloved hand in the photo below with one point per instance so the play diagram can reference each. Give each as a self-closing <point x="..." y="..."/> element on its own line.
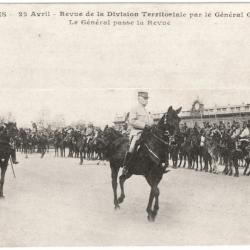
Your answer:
<point x="147" y="127"/>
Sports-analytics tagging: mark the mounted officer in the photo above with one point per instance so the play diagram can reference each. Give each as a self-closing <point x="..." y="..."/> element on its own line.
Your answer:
<point x="139" y="118"/>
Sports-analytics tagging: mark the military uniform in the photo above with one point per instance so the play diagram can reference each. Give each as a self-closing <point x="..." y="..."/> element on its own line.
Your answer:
<point x="244" y="135"/>
<point x="8" y="142"/>
<point x="89" y="132"/>
<point x="138" y="119"/>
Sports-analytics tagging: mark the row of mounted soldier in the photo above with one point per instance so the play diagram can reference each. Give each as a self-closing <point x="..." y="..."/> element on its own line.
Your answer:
<point x="208" y="145"/>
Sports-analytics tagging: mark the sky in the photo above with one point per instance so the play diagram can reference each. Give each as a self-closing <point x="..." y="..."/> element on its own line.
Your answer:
<point x="93" y="73"/>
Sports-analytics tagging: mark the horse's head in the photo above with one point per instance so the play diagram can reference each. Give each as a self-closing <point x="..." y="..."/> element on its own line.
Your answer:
<point x="106" y="139"/>
<point x="11" y="129"/>
<point x="170" y="121"/>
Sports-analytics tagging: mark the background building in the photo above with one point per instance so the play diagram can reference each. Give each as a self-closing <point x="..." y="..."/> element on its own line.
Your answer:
<point x="198" y="113"/>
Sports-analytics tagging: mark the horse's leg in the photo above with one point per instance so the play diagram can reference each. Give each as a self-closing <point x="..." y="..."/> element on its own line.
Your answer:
<point x="156" y="205"/>
<point x="236" y="168"/>
<point x="206" y="164"/>
<point x="174" y="160"/>
<point x="149" y="206"/>
<point x="114" y="174"/>
<point x="201" y="162"/>
<point x="215" y="166"/>
<point x="184" y="160"/>
<point x="197" y="161"/>
<point x="180" y="159"/>
<point x="122" y="180"/>
<point x="210" y="164"/>
<point x="225" y="170"/>
<point x="189" y="161"/>
<point x="43" y="151"/>
<point x="246" y="167"/>
<point x="210" y="161"/>
<point x="81" y="157"/>
<point x="26" y="152"/>
<point x="230" y="172"/>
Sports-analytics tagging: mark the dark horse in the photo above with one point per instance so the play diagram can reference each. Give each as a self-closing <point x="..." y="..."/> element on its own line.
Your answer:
<point x="148" y="160"/>
<point x="8" y="132"/>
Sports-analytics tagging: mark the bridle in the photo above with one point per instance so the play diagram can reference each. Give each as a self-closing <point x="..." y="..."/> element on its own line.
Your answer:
<point x="160" y="140"/>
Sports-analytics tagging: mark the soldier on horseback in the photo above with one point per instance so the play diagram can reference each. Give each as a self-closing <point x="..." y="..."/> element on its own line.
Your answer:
<point x="90" y="132"/>
<point x="236" y="131"/>
<point x="244" y="136"/>
<point x="139" y="119"/>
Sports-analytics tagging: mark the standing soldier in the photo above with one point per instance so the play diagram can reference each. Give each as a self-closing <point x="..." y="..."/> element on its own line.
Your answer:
<point x="139" y="118"/>
<point x="9" y="143"/>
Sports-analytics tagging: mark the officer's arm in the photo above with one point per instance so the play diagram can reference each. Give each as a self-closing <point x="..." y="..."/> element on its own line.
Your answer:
<point x="136" y="124"/>
<point x="151" y="120"/>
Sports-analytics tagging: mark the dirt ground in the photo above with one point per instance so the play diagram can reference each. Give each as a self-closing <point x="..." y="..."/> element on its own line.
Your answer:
<point x="57" y="202"/>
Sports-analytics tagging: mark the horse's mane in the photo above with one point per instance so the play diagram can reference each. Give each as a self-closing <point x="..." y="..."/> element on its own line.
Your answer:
<point x="116" y="143"/>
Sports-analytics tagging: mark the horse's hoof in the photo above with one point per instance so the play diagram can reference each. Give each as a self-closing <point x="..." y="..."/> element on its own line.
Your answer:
<point x="2" y="196"/>
<point x="151" y="218"/>
<point x="120" y="199"/>
<point x="236" y="175"/>
<point x="117" y="207"/>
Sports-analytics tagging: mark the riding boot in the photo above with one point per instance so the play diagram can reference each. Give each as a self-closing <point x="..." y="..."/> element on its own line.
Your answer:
<point x="13" y="156"/>
<point x="126" y="163"/>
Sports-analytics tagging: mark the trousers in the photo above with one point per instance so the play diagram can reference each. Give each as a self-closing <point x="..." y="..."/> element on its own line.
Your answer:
<point x="134" y="137"/>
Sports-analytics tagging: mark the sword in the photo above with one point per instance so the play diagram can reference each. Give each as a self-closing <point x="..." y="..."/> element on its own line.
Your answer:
<point x="13" y="171"/>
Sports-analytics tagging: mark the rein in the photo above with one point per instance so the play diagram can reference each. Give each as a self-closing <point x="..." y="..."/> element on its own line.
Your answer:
<point x="160" y="139"/>
<point x="151" y="151"/>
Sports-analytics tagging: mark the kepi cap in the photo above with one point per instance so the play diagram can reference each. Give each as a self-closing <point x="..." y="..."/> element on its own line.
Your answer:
<point x="143" y="94"/>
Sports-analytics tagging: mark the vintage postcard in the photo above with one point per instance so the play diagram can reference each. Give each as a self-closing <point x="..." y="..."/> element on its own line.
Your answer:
<point x="124" y="124"/>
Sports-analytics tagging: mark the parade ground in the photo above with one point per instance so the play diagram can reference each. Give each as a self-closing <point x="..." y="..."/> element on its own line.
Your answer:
<point x="57" y="202"/>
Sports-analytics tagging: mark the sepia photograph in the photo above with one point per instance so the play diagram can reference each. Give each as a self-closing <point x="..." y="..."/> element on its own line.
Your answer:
<point x="124" y="124"/>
